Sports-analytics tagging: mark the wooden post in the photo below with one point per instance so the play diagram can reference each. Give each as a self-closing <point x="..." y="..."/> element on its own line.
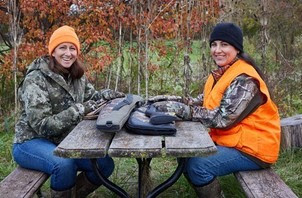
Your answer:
<point x="291" y="132"/>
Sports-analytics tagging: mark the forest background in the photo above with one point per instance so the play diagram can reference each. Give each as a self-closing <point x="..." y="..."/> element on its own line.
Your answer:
<point x="152" y="47"/>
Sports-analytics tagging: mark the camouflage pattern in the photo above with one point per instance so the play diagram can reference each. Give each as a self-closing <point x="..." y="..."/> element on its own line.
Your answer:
<point x="50" y="106"/>
<point x="193" y="101"/>
<point x="234" y="101"/>
<point x="95" y="113"/>
<point x="139" y="123"/>
<point x="90" y="106"/>
<point x="179" y="109"/>
<point x="140" y="114"/>
<point x="108" y="94"/>
<point x="107" y="109"/>
<point x="164" y="98"/>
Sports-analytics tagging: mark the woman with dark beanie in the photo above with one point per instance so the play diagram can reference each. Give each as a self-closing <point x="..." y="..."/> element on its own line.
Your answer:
<point x="55" y="95"/>
<point x="237" y="107"/>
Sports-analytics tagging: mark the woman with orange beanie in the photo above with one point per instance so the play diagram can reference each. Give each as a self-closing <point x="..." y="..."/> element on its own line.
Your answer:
<point x="237" y="107"/>
<point x="55" y="95"/>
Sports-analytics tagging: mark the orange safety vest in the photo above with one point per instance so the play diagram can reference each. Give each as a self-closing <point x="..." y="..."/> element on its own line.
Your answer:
<point x="259" y="133"/>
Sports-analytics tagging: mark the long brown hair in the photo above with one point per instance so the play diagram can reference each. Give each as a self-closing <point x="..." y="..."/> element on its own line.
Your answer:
<point x="247" y="58"/>
<point x="76" y="70"/>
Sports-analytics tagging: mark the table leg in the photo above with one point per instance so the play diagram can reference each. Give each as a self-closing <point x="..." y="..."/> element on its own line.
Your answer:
<point x="143" y="175"/>
<point x="107" y="183"/>
<point x="170" y="181"/>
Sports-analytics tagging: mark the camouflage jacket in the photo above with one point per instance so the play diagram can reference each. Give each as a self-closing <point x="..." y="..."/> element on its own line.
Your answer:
<point x="242" y="94"/>
<point x="50" y="105"/>
<point x="241" y="97"/>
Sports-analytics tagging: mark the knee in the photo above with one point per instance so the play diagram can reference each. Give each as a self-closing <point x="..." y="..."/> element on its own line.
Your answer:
<point x="107" y="165"/>
<point x="66" y="166"/>
<point x="198" y="173"/>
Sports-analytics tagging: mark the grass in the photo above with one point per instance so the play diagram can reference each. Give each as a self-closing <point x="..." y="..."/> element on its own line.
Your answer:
<point x="289" y="167"/>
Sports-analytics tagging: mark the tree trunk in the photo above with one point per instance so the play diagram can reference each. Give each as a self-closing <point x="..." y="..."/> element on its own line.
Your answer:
<point x="187" y="67"/>
<point x="264" y="39"/>
<point x="147" y="32"/>
<point x="291" y="132"/>
<point x="130" y="63"/>
<point x="16" y="36"/>
<point x="119" y="64"/>
<point x="227" y="10"/>
<point x="139" y="52"/>
<point x="108" y="78"/>
<point x="187" y="75"/>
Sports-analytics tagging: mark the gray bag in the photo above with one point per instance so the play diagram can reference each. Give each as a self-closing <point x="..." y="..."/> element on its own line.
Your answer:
<point x="114" y="115"/>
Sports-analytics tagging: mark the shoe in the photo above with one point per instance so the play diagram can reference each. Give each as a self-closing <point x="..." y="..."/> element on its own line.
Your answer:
<point x="83" y="186"/>
<point x="63" y="194"/>
<point x="211" y="190"/>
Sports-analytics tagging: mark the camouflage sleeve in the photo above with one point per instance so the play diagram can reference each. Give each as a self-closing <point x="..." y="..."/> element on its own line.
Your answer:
<point x="235" y="100"/>
<point x="90" y="92"/>
<point x="38" y="109"/>
<point x="99" y="96"/>
<point x="194" y="101"/>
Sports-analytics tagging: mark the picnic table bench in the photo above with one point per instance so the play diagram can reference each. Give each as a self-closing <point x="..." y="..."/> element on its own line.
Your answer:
<point x="85" y="141"/>
<point x="263" y="183"/>
<point x="22" y="183"/>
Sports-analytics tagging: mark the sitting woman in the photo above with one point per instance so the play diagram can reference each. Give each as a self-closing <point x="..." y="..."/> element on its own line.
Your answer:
<point x="55" y="95"/>
<point x="237" y="107"/>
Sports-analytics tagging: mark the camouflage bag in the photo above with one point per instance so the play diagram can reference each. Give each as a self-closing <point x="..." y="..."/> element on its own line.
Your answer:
<point x="115" y="113"/>
<point x="139" y="123"/>
<point x="178" y="109"/>
<point x="158" y="116"/>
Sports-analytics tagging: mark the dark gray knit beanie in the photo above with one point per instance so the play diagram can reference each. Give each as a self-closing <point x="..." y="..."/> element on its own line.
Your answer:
<point x="229" y="33"/>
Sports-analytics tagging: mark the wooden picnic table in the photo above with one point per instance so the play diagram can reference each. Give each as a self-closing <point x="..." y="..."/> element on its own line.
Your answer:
<point x="86" y="141"/>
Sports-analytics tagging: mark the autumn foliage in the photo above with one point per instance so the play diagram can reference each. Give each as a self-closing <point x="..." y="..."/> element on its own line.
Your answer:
<point x="100" y="21"/>
<point x="136" y="45"/>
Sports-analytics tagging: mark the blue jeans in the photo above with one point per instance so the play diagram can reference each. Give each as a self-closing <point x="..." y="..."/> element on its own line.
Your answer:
<point x="38" y="154"/>
<point x="203" y="170"/>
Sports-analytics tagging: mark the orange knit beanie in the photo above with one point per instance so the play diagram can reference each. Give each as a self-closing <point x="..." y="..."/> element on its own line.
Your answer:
<point x="62" y="35"/>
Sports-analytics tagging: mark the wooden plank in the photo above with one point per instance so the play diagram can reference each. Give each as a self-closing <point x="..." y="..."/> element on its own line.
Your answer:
<point x="191" y="139"/>
<point x="138" y="146"/>
<point x="85" y="141"/>
<point x="263" y="183"/>
<point x="291" y="132"/>
<point x="22" y="183"/>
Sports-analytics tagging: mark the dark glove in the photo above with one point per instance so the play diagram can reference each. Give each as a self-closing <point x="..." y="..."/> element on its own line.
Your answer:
<point x="181" y="110"/>
<point x="159" y="117"/>
<point x="89" y="106"/>
<point x="193" y="101"/>
<point x="108" y="94"/>
<point x="187" y="100"/>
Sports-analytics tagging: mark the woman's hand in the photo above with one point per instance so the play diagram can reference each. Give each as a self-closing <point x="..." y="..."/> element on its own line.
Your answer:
<point x="181" y="110"/>
<point x="89" y="106"/>
<point x="108" y="94"/>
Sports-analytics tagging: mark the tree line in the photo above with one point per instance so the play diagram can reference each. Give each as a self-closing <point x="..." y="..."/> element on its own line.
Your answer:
<point x="151" y="47"/>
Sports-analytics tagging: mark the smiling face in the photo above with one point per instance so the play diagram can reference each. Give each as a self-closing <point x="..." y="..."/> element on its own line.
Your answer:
<point x="65" y="54"/>
<point x="223" y="53"/>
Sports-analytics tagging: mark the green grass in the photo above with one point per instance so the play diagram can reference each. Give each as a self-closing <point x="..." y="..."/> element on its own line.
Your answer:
<point x="289" y="167"/>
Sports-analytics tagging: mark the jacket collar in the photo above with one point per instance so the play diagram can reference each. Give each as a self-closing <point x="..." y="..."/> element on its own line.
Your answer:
<point x="42" y="65"/>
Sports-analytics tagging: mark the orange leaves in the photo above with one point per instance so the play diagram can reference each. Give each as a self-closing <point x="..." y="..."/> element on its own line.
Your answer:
<point x="98" y="59"/>
<point x="164" y="28"/>
<point x="99" y="22"/>
<point x="152" y="67"/>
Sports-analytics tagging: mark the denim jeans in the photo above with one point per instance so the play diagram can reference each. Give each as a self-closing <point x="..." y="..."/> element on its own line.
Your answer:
<point x="203" y="170"/>
<point x="38" y="154"/>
